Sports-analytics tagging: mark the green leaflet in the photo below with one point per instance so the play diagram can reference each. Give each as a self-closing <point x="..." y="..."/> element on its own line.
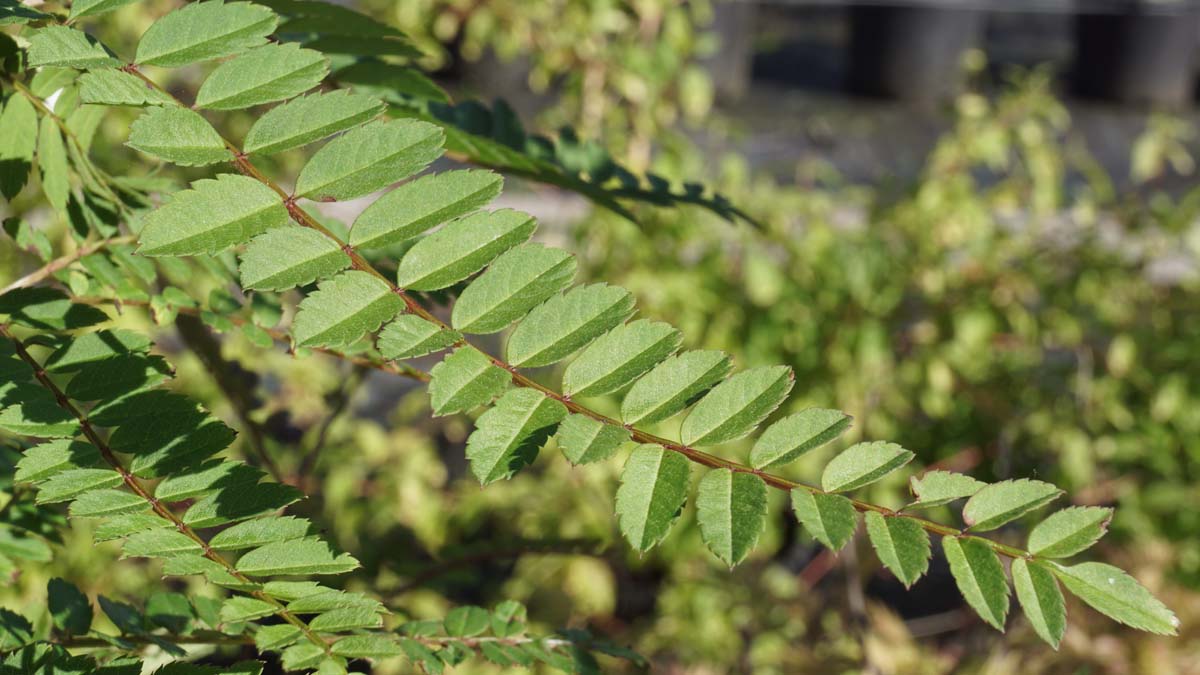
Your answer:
<point x="410" y="336"/>
<point x="265" y="74"/>
<point x="52" y="161"/>
<point x="304" y="556"/>
<point x="287" y="257"/>
<point x="159" y="543"/>
<point x="180" y="136"/>
<point x="619" y="357"/>
<point x="419" y="205"/>
<point x="238" y="609"/>
<point x="69" y="608"/>
<point x="204" y="30"/>
<point x="980" y="577"/>
<point x="789" y="438"/>
<point x="106" y="502"/>
<point x="1118" y="596"/>
<point x="564" y="323"/>
<point x="76" y="351"/>
<point x="1041" y="599"/>
<point x="211" y="217"/>
<point x="1067" y="532"/>
<point x="84" y="8"/>
<point x="654" y="485"/>
<point x="462" y="248"/>
<point x="1008" y="500"/>
<point x="862" y="464"/>
<point x="43" y="461"/>
<point x="240" y="503"/>
<point x="32" y="411"/>
<point x="672" y="385"/>
<point x="214" y="475"/>
<point x="276" y="637"/>
<point x="467" y="621"/>
<point x="901" y="544"/>
<point x="67" y="48"/>
<point x="346" y="619"/>
<point x="369" y="158"/>
<point x="16" y="12"/>
<point x="343" y="309"/>
<point x="935" y="488"/>
<point x="260" y="532"/>
<point x="584" y="440"/>
<point x="367" y="647"/>
<point x="830" y="519"/>
<point x="509" y="618"/>
<point x="515" y="283"/>
<point x="74" y="482"/>
<point x="309" y="118"/>
<point x="304" y="656"/>
<point x="118" y="376"/>
<point x="18" y="141"/>
<point x="734" y="407"/>
<point x="731" y="508"/>
<point x="464" y="380"/>
<point x="119" y="527"/>
<point x="110" y="86"/>
<point x="508" y="436"/>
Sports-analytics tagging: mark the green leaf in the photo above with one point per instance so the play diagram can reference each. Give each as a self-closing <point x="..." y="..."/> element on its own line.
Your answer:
<point x="215" y="475"/>
<point x="343" y="309"/>
<point x="1118" y="596"/>
<point x="239" y="503"/>
<point x="830" y="519"/>
<point x="122" y="526"/>
<point x="584" y="440"/>
<point x="180" y="136"/>
<point x="419" y="205"/>
<point x="74" y="482"/>
<point x="15" y="12"/>
<point x="731" y="508"/>
<point x="515" y="283"/>
<point x="508" y="619"/>
<point x="367" y="647"/>
<point x="23" y="547"/>
<point x="49" y="309"/>
<point x="276" y="637"/>
<point x="212" y="216"/>
<point x="619" y="357"/>
<point x="563" y="324"/>
<point x="67" y="48"/>
<point x="673" y="385"/>
<point x="238" y="609"/>
<point x="462" y="248"/>
<point x="43" y="461"/>
<point x="1008" y="500"/>
<point x="90" y="347"/>
<point x="110" y="86"/>
<point x="29" y="410"/>
<point x="303" y="656"/>
<point x="862" y="464"/>
<point x="106" y="502"/>
<point x="203" y="31"/>
<point x="467" y="621"/>
<point x="654" y="486"/>
<point x="173" y="612"/>
<point x="734" y="407"/>
<point x="1041" y="599"/>
<point x="901" y="544"/>
<point x="789" y="438"/>
<point x="345" y="619"/>
<point x="935" y="488"/>
<point x="69" y="607"/>
<point x="305" y="556"/>
<point x="287" y="257"/>
<point x="508" y="436"/>
<point x="464" y="380"/>
<point x="52" y="161"/>
<point x="260" y="532"/>
<point x="410" y="336"/>
<point x="309" y="118"/>
<point x="18" y="141"/>
<point x="265" y="74"/>
<point x="369" y="158"/>
<point x="980" y="577"/>
<point x="118" y="376"/>
<point x="159" y="543"/>
<point x="84" y="8"/>
<point x="1069" y="531"/>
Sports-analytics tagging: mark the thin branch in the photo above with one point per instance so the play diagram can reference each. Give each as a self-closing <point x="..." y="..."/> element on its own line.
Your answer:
<point x="65" y="261"/>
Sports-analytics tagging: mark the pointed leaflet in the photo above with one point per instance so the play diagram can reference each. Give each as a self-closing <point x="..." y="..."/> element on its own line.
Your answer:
<point x="1041" y="599"/>
<point x="980" y="577"/>
<point x="999" y="503"/>
<point x="84" y="8"/>
<point x="672" y="385"/>
<point x="1069" y="531"/>
<point x="515" y="283"/>
<point x="238" y="609"/>
<point x="830" y="519"/>
<point x="18" y="140"/>
<point x="309" y="118"/>
<point x="561" y="325"/>
<point x="159" y="543"/>
<point x="863" y="464"/>
<point x="464" y="380"/>
<point x="122" y="526"/>
<point x="288" y="257"/>
<point x="935" y="488"/>
<point x="106" y="502"/>
<point x="43" y="461"/>
<point x="178" y="135"/>
<point x="304" y="556"/>
<point x="901" y="544"/>
<point x="204" y="30"/>
<point x="110" y="86"/>
<point x="732" y="511"/>
<point x="420" y="204"/>
<point x="367" y="647"/>
<point x="654" y="486"/>
<point x="1118" y="596"/>
<point x="462" y="248"/>
<point x="74" y="482"/>
<point x="508" y="435"/>
<point x="89" y="347"/>
<point x="584" y="440"/>
<point x="266" y="74"/>
<point x="369" y="158"/>
<point x="619" y="357"/>
<point x="48" y="309"/>
<point x="239" y="503"/>
<point x="734" y="407"/>
<point x="211" y="217"/>
<point x="794" y="435"/>
<point x="467" y="621"/>
<point x="210" y="476"/>
<point x="260" y="532"/>
<point x="345" y="308"/>
<point x="52" y="161"/>
<point x="67" y="48"/>
<point x="410" y="336"/>
<point x="345" y="619"/>
<point x="275" y="637"/>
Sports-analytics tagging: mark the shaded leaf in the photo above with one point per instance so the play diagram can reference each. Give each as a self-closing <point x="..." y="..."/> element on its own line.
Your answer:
<point x="515" y="283"/>
<point x="159" y="543"/>
<point x="654" y="485"/>
<point x="731" y="508"/>
<point x="69" y="608"/>
<point x="420" y="204"/>
<point x="980" y="577"/>
<point x="901" y="544"/>
<point x="830" y="519"/>
<point x="45" y="460"/>
<point x="672" y="385"/>
<point x="508" y="436"/>
<point x="84" y="8"/>
<point x="789" y="438"/>
<point x="462" y="248"/>
<point x="74" y="482"/>
<point x="18" y="141"/>
<point x="110" y="86"/>
<point x="67" y="48"/>
<point x="52" y="162"/>
<point x="999" y="503"/>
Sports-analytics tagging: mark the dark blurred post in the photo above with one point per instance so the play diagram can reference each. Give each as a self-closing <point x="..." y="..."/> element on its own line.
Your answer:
<point x="731" y="65"/>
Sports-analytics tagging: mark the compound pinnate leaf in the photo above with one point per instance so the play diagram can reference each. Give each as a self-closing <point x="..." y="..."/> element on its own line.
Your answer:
<point x="794" y="435"/>
<point x="980" y="577"/>
<point x="180" y="136"/>
<point x="263" y="75"/>
<point x="462" y="248"/>
<point x="84" y="8"/>
<point x="369" y="158"/>
<point x="344" y="308"/>
<point x="654" y="485"/>
<point x="731" y="508"/>
<point x="513" y="284"/>
<point x="260" y="532"/>
<point x="619" y="357"/>
<point x="672" y="386"/>
<point x="211" y="217"/>
<point x="1067" y="532"/>
<point x="287" y="257"/>
<point x="1041" y="599"/>
<point x="110" y="86"/>
<point x="304" y="556"/>
<point x="862" y="464"/>
<point x="421" y="204"/>
<point x="69" y="607"/>
<point x="563" y="324"/>
<point x="466" y="379"/>
<point x="410" y="336"/>
<point x="935" y="488"/>
<point x="1117" y="595"/>
<point x="1008" y="500"/>
<point x="508" y="436"/>
<point x="734" y="407"/>
<point x="309" y="118"/>
<point x="585" y="440"/>
<point x="67" y="48"/>
<point x="901" y="544"/>
<point x="830" y="519"/>
<point x="205" y="30"/>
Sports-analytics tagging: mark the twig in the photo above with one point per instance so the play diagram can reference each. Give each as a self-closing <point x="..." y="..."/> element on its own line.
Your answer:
<point x="65" y="261"/>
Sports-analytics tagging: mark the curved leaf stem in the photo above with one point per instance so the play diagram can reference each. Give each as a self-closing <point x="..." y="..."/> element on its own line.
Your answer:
<point x="65" y="261"/>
